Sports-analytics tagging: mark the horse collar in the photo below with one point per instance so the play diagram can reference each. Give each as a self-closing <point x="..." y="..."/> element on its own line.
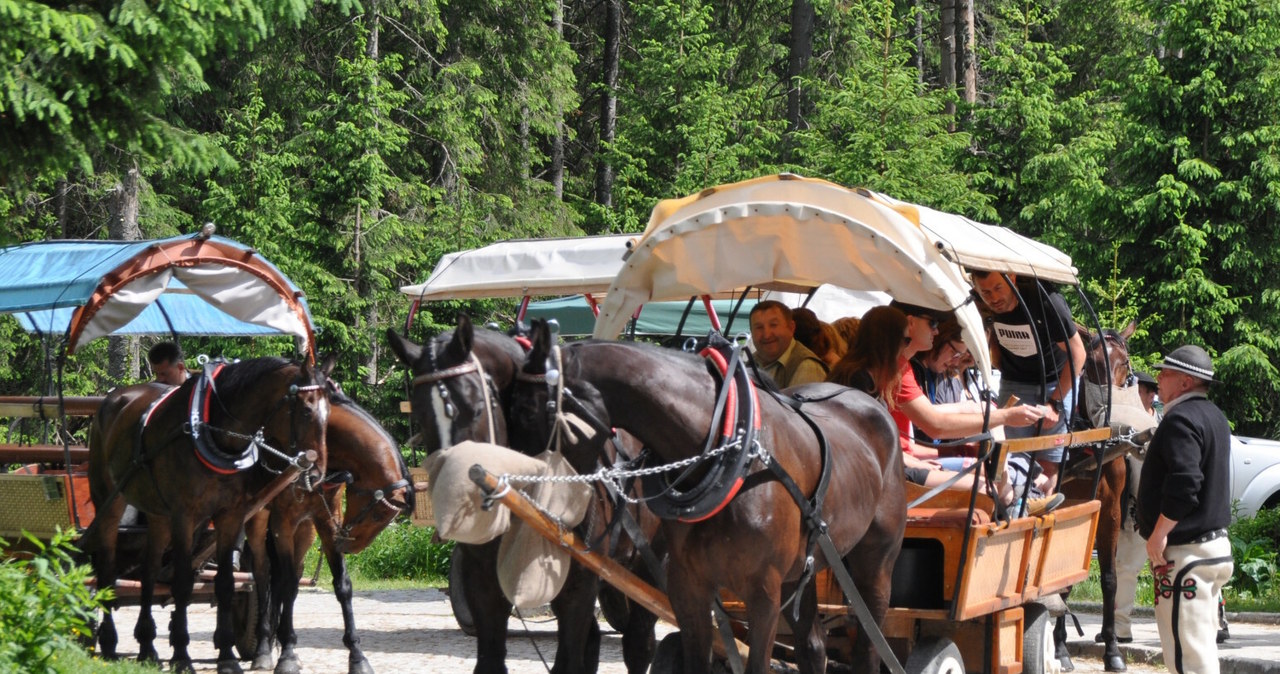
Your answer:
<point x="738" y="408"/>
<point x="209" y="454"/>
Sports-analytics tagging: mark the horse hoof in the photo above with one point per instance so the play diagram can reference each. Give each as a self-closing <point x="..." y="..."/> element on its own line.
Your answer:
<point x="1067" y="664"/>
<point x="361" y="666"/>
<point x="229" y="667"/>
<point x="1115" y="663"/>
<point x="148" y="656"/>
<point x="182" y="667"/>
<point x="288" y="666"/>
<point x="263" y="662"/>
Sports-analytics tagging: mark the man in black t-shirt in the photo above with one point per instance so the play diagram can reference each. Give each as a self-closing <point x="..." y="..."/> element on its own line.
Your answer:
<point x="1184" y="507"/>
<point x="1041" y="354"/>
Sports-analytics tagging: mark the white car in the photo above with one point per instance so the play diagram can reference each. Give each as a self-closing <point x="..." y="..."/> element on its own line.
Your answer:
<point x="1255" y="475"/>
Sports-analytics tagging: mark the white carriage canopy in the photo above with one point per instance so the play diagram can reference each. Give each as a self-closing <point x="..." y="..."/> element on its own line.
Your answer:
<point x="520" y="267"/>
<point x="785" y="232"/>
<point x="205" y="285"/>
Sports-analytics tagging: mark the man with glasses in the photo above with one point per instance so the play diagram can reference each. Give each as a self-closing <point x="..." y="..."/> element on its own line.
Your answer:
<point x="1040" y="355"/>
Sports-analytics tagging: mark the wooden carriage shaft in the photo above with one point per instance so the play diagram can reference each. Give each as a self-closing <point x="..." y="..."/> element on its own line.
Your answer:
<point x="286" y="477"/>
<point x="610" y="571"/>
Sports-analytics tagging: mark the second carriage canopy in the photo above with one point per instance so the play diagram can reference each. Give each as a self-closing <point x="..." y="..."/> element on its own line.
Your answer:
<point x="792" y="233"/>
<point x="206" y="285"/>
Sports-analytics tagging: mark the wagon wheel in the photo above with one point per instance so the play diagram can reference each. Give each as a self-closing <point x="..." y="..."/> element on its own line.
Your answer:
<point x="1038" y="651"/>
<point x="244" y="619"/>
<point x="244" y="614"/>
<point x="668" y="657"/>
<point x="935" y="655"/>
<point x="615" y="606"/>
<point x="457" y="597"/>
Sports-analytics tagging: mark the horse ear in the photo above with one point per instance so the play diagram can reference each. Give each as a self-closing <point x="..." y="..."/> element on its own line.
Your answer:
<point x="1127" y="331"/>
<point x="405" y="350"/>
<point x="326" y="367"/>
<point x="463" y="337"/>
<point x="540" y="337"/>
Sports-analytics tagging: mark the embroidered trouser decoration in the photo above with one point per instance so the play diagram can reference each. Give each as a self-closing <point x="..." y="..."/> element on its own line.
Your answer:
<point x="1186" y="598"/>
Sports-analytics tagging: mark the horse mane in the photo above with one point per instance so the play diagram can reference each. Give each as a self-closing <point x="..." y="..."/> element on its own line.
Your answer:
<point x="240" y="376"/>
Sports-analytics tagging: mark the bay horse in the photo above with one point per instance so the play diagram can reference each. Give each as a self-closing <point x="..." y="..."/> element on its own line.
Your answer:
<point x="462" y="391"/>
<point x="262" y="412"/>
<point x="1106" y="363"/>
<point x="364" y="459"/>
<point x="755" y="543"/>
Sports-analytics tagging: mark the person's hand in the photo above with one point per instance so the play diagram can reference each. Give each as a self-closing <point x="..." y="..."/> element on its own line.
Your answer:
<point x="1024" y="415"/>
<point x="1050" y="416"/>
<point x="1155" y="553"/>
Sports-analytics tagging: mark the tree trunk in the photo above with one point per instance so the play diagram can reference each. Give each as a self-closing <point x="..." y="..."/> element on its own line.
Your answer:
<point x="919" y="40"/>
<point x="947" y="50"/>
<point x="968" y="59"/>
<point x="609" y="101"/>
<point x="801" y="49"/>
<point x="362" y="277"/>
<point x="122" y="351"/>
<point x="557" y="141"/>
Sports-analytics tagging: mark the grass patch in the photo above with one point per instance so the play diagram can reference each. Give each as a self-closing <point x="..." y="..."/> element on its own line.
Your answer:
<point x="401" y="557"/>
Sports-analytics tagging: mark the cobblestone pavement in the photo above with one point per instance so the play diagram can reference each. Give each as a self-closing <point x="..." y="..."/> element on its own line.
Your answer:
<point x="409" y="632"/>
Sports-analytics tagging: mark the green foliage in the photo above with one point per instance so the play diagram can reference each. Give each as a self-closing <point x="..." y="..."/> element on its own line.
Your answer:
<point x="45" y="605"/>
<point x="1254" y="544"/>
<point x="879" y="127"/>
<point x="403" y="550"/>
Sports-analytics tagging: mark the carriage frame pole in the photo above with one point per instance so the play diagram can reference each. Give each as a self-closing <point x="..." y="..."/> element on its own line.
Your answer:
<point x="609" y="571"/>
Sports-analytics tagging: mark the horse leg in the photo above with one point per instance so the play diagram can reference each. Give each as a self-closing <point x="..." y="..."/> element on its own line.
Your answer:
<point x="356" y="662"/>
<point x="691" y="600"/>
<point x="1106" y="541"/>
<point x="810" y="638"/>
<point x="1060" y="644"/>
<point x="284" y="585"/>
<point x="181" y="529"/>
<point x="762" y="621"/>
<point x="106" y="528"/>
<point x="256" y="539"/>
<point x="489" y="608"/>
<point x="578" y="631"/>
<point x="145" y="630"/>
<point x="227" y="527"/>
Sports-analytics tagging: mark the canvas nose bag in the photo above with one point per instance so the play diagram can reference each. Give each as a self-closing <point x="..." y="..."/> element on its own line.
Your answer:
<point x="532" y="569"/>
<point x="457" y="501"/>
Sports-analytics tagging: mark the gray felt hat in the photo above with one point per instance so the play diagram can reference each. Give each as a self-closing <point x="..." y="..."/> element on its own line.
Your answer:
<point x="1189" y="359"/>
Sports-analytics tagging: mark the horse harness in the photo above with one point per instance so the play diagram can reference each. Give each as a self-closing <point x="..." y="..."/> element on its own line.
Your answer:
<point x="207" y="452"/>
<point x="442" y="403"/>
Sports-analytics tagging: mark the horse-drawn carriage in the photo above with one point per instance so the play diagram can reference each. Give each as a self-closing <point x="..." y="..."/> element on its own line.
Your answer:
<point x="72" y="292"/>
<point x="965" y="585"/>
<point x="202" y="459"/>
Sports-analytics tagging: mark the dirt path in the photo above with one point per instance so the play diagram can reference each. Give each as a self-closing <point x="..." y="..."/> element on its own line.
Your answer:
<point x="409" y="632"/>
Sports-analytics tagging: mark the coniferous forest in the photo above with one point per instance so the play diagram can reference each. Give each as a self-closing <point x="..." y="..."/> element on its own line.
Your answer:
<point x="355" y="142"/>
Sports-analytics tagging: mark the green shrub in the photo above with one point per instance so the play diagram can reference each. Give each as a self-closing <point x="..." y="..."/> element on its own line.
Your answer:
<point x="403" y="551"/>
<point x="45" y="606"/>
<point x="1254" y="541"/>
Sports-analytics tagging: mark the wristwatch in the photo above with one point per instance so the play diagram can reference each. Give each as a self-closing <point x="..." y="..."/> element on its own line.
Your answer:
<point x="1057" y="405"/>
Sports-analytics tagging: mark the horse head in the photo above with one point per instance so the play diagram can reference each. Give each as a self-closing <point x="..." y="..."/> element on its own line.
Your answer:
<point x="459" y="383"/>
<point x="365" y="458"/>
<point x="548" y="410"/>
<point x="1108" y="354"/>
<point x="286" y="402"/>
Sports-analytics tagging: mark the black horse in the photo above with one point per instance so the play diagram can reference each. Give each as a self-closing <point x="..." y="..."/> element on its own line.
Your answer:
<point x="462" y="391"/>
<point x="668" y="400"/>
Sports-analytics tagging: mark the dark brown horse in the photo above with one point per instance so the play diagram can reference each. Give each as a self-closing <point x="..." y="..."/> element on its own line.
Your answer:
<point x="365" y="459"/>
<point x="281" y="407"/>
<point x="462" y="388"/>
<point x="1107" y="364"/>
<point x="755" y="545"/>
